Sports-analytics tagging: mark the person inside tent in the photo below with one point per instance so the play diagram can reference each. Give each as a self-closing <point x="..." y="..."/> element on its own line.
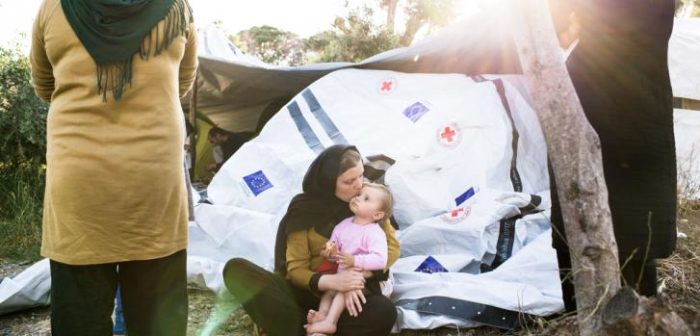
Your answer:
<point x="225" y="144"/>
<point x="189" y="129"/>
<point x="279" y="302"/>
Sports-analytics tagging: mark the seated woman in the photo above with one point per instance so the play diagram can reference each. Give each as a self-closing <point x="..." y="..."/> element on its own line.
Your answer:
<point x="278" y="302"/>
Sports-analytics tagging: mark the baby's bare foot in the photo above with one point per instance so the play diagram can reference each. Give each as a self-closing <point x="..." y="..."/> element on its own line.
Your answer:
<point x="323" y="327"/>
<point x="314" y="316"/>
<point x="310" y="316"/>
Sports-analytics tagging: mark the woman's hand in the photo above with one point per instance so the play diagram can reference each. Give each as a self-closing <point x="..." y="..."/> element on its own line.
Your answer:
<point x="365" y="274"/>
<point x="353" y="302"/>
<point x="342" y="282"/>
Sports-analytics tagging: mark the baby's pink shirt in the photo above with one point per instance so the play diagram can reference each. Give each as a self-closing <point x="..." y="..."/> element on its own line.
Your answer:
<point x="366" y="242"/>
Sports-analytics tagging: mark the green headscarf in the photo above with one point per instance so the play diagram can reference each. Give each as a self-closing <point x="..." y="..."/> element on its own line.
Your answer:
<point x="112" y="31"/>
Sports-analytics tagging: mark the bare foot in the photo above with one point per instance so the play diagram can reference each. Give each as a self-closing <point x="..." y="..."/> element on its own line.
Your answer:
<point x="314" y="316"/>
<point x="310" y="316"/>
<point x="323" y="327"/>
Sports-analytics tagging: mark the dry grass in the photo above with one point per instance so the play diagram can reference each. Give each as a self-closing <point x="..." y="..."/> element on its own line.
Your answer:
<point x="688" y="187"/>
<point x="680" y="274"/>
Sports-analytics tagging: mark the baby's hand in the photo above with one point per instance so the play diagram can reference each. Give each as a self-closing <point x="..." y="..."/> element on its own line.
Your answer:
<point x="330" y="250"/>
<point x="346" y="260"/>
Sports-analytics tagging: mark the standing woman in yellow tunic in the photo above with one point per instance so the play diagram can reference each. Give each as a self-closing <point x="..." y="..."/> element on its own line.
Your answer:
<point x="115" y="207"/>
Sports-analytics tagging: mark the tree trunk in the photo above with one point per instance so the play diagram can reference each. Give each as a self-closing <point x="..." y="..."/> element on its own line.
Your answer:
<point x="574" y="152"/>
<point x="391" y="14"/>
<point x="412" y="25"/>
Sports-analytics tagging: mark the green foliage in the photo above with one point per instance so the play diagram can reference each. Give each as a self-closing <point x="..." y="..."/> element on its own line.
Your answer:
<point x="430" y="13"/>
<point x="22" y="114"/>
<point x="352" y="39"/>
<point x="22" y="148"/>
<point x="684" y="6"/>
<point x="356" y="37"/>
<point x="271" y="45"/>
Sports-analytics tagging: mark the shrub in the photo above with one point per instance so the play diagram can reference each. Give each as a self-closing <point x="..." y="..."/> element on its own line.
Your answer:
<point x="22" y="114"/>
<point x="22" y="158"/>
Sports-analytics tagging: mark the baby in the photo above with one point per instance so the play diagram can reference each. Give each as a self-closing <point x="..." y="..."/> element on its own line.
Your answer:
<point x="357" y="241"/>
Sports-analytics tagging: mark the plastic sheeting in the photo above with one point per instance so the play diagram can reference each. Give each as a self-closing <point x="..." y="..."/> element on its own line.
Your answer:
<point x="26" y="290"/>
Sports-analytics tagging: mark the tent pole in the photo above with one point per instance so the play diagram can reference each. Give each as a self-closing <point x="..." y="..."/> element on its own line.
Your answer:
<point x="193" y="122"/>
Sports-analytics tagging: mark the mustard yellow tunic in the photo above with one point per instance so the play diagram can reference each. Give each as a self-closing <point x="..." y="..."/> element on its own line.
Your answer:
<point x="115" y="187"/>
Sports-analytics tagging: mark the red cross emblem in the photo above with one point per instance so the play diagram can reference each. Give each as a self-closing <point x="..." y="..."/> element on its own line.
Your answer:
<point x="449" y="135"/>
<point x="456" y="215"/>
<point x="387" y="85"/>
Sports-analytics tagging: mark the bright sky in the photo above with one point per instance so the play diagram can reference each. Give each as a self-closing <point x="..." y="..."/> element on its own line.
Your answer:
<point x="303" y="17"/>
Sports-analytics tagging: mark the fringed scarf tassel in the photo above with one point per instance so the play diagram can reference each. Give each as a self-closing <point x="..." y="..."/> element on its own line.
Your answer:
<point x="115" y="77"/>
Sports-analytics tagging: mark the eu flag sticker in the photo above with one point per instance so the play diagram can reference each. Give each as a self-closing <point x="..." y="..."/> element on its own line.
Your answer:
<point x="415" y="111"/>
<point x="257" y="182"/>
<point x="430" y="265"/>
<point x="465" y="196"/>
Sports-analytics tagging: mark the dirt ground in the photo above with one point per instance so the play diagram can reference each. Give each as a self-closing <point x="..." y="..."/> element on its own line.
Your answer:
<point x="679" y="281"/>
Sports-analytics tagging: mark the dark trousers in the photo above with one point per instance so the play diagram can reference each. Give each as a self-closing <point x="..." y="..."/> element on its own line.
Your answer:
<point x="280" y="308"/>
<point x="154" y="297"/>
<point x="637" y="273"/>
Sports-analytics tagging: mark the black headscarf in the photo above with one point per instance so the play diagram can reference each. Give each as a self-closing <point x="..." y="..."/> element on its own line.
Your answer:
<point x="317" y="206"/>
